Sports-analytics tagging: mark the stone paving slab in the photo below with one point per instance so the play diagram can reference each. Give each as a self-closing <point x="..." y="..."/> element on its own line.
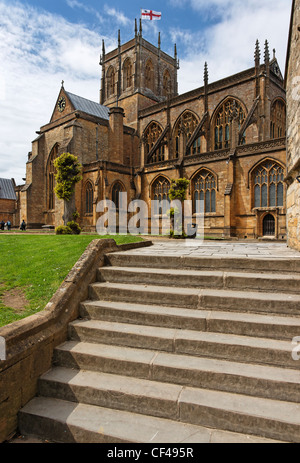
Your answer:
<point x="220" y="249"/>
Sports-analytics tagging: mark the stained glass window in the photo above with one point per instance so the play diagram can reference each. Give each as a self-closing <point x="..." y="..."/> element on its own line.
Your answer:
<point x="268" y="185"/>
<point x="160" y="194"/>
<point x="116" y="190"/>
<point x="152" y="134"/>
<point x="51" y="177"/>
<point x="204" y="192"/>
<point x="89" y="198"/>
<point x="223" y="120"/>
<point x="184" y="129"/>
<point x="278" y="119"/>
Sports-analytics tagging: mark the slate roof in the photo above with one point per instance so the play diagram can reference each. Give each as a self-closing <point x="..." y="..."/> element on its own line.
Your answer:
<point x="7" y="190"/>
<point x="88" y="106"/>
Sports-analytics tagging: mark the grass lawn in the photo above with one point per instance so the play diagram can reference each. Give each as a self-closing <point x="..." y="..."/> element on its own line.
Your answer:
<point x="32" y="267"/>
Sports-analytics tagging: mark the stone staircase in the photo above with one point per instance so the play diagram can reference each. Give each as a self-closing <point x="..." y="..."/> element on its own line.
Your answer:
<point x="177" y="350"/>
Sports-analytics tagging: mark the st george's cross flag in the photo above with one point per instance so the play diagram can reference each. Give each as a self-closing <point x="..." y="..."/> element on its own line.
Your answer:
<point x="151" y="15"/>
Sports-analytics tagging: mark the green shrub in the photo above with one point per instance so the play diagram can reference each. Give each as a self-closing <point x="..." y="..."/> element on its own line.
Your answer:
<point x="68" y="173"/>
<point x="76" y="215"/>
<point x="178" y="189"/>
<point x="76" y="230"/>
<point x="63" y="230"/>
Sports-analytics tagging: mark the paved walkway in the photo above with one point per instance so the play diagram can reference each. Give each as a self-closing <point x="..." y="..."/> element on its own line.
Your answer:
<point x="222" y="248"/>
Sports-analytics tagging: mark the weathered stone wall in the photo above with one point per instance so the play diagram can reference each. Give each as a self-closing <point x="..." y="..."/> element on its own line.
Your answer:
<point x="293" y="132"/>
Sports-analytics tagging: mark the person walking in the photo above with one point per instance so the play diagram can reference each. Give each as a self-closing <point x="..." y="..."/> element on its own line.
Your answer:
<point x="23" y="225"/>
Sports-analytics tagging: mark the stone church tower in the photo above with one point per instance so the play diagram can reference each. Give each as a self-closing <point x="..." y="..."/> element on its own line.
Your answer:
<point x="137" y="75"/>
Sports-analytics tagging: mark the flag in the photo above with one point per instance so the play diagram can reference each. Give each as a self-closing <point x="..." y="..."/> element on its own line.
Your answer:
<point x="150" y="14"/>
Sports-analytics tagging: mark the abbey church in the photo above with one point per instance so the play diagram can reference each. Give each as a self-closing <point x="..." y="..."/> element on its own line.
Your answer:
<point x="227" y="137"/>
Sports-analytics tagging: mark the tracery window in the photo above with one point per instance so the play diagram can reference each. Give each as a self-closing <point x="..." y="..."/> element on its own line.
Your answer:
<point x="184" y="129"/>
<point x="151" y="136"/>
<point x="51" y="177"/>
<point x="116" y="190"/>
<point x="278" y="118"/>
<point x="149" y="75"/>
<point x="89" y="198"/>
<point x="204" y="192"/>
<point x="111" y="82"/>
<point x="127" y="74"/>
<point x="223" y="120"/>
<point x="160" y="195"/>
<point x="268" y="185"/>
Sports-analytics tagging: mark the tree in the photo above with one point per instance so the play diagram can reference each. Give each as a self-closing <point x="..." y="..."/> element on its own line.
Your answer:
<point x="177" y="192"/>
<point x="68" y="173"/>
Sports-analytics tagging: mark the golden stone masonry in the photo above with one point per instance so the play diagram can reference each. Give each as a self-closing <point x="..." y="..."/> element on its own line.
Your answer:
<point x="227" y="137"/>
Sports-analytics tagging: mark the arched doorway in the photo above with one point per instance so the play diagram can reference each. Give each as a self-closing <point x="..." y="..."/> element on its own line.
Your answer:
<point x="269" y="225"/>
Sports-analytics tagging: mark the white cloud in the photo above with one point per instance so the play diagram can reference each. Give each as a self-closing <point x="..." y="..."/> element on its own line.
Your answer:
<point x="117" y="15"/>
<point x="228" y="44"/>
<point x="38" y="50"/>
<point x="87" y="9"/>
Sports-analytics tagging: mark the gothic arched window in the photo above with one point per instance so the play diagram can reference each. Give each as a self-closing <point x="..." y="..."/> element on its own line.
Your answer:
<point x="89" y="198"/>
<point x="268" y="185"/>
<point x="115" y="194"/>
<point x="149" y="76"/>
<point x="223" y="120"/>
<point x="51" y="177"/>
<point x="127" y="74"/>
<point x="160" y="195"/>
<point x="111" y="82"/>
<point x="152" y="134"/>
<point x="204" y="187"/>
<point x="166" y="84"/>
<point x="184" y="129"/>
<point x="278" y="117"/>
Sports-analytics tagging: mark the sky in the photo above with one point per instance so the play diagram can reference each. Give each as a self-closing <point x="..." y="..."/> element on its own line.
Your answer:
<point x="43" y="42"/>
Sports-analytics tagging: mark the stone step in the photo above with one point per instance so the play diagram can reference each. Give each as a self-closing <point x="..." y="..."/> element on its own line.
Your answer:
<point x="229" y="412"/>
<point x="69" y="422"/>
<point x="208" y="373"/>
<point x="257" y="325"/>
<point x="268" y="264"/>
<point x="193" y="298"/>
<point x="202" y="279"/>
<point x="179" y="341"/>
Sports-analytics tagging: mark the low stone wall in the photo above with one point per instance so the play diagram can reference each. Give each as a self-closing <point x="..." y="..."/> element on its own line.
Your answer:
<point x="30" y="342"/>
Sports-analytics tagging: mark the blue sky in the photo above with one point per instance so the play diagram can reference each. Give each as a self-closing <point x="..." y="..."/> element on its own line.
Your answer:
<point x="43" y="42"/>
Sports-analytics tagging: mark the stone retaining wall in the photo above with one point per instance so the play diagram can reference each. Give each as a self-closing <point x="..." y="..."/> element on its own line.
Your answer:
<point x="30" y="342"/>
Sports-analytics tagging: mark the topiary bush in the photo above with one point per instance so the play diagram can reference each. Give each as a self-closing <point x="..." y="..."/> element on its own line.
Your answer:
<point x="68" y="173"/>
<point x="76" y="230"/>
<point x="63" y="230"/>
